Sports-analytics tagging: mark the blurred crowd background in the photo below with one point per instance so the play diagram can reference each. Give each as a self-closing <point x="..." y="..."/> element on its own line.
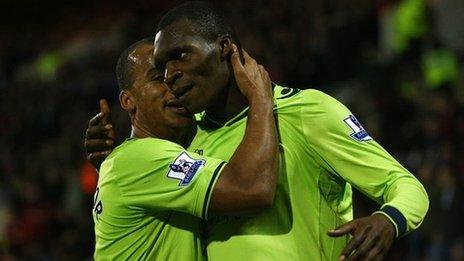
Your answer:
<point x="398" y="65"/>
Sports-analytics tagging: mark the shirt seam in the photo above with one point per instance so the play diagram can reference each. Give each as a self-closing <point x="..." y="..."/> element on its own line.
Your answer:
<point x="209" y="190"/>
<point x="312" y="146"/>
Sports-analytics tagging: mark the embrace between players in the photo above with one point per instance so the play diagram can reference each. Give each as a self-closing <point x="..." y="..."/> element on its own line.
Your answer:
<point x="224" y="165"/>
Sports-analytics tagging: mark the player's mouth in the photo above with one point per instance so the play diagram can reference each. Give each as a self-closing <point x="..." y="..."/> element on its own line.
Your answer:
<point x="175" y="106"/>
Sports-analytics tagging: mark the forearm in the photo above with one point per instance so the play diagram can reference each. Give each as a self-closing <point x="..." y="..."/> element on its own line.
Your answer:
<point x="248" y="181"/>
<point x="255" y="160"/>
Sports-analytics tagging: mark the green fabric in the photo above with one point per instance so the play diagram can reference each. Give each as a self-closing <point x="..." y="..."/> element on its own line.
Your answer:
<point x="142" y="211"/>
<point x="320" y="153"/>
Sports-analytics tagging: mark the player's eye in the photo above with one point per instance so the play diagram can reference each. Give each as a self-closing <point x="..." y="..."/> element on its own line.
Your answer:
<point x="183" y="55"/>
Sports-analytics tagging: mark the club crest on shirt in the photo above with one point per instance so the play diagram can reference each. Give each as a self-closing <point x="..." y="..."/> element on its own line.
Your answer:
<point x="184" y="168"/>
<point x="359" y="133"/>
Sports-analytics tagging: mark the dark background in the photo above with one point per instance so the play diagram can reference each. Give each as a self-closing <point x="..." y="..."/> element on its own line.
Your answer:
<point x="398" y="65"/>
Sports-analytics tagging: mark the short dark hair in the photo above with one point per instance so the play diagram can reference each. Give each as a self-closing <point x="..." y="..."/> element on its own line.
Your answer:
<point x="125" y="66"/>
<point x="208" y="20"/>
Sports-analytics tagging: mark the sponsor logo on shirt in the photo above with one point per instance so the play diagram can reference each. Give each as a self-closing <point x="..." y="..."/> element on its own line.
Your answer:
<point x="359" y="133"/>
<point x="184" y="168"/>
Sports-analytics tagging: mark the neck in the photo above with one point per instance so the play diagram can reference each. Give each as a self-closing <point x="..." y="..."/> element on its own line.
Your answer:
<point x="229" y="103"/>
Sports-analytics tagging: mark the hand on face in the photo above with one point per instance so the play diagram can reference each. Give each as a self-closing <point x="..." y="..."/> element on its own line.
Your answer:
<point x="251" y="77"/>
<point x="372" y="238"/>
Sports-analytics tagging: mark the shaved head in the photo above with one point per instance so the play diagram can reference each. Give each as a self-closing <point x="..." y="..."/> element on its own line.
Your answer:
<point x="126" y="62"/>
<point x="206" y="20"/>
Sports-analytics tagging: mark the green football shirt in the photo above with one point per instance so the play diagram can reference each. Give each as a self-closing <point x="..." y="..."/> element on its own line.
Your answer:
<point x="150" y="199"/>
<point x="324" y="149"/>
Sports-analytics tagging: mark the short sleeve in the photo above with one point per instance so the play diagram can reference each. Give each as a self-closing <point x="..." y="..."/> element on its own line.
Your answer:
<point x="160" y="175"/>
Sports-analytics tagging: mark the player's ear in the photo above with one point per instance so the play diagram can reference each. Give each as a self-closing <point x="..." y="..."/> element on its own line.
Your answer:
<point x="225" y="45"/>
<point x="127" y="101"/>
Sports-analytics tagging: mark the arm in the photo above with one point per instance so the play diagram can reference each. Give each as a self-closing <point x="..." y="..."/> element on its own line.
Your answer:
<point x="163" y="176"/>
<point x="248" y="181"/>
<point x="349" y="153"/>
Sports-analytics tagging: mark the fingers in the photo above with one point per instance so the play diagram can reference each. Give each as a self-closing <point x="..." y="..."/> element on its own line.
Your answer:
<point x="99" y="138"/>
<point x="98" y="150"/>
<point x="246" y="56"/>
<point x="373" y="248"/>
<point x="342" y="230"/>
<point x="363" y="248"/>
<point x="97" y="158"/>
<point x="238" y="67"/>
<point x="105" y="110"/>
<point x="99" y="125"/>
<point x="376" y="253"/>
<point x="252" y="79"/>
<point x="99" y="131"/>
<point x="353" y="244"/>
<point x="251" y="66"/>
<point x="111" y="133"/>
<point x="372" y="237"/>
<point x="235" y="61"/>
<point x="103" y="116"/>
<point x="104" y="106"/>
<point x="97" y="119"/>
<point x="264" y="74"/>
<point x="98" y="145"/>
<point x="98" y="155"/>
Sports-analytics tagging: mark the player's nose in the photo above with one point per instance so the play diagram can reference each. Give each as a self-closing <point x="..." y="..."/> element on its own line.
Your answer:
<point x="171" y="74"/>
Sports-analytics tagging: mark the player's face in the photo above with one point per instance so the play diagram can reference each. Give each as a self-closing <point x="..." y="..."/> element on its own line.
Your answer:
<point x="156" y="107"/>
<point x="192" y="66"/>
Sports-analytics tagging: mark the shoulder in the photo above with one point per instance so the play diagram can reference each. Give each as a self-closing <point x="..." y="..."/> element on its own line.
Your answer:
<point x="146" y="146"/>
<point x="308" y="102"/>
<point x="285" y="96"/>
<point x="135" y="153"/>
<point x="315" y="110"/>
<point x="139" y="161"/>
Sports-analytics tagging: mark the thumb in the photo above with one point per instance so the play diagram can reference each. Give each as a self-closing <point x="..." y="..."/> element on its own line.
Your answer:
<point x="105" y="110"/>
<point x="342" y="230"/>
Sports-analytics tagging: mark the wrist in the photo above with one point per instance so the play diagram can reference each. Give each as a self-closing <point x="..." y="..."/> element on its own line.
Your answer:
<point x="259" y="97"/>
<point x="261" y="104"/>
<point x="396" y="218"/>
<point x="389" y="224"/>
